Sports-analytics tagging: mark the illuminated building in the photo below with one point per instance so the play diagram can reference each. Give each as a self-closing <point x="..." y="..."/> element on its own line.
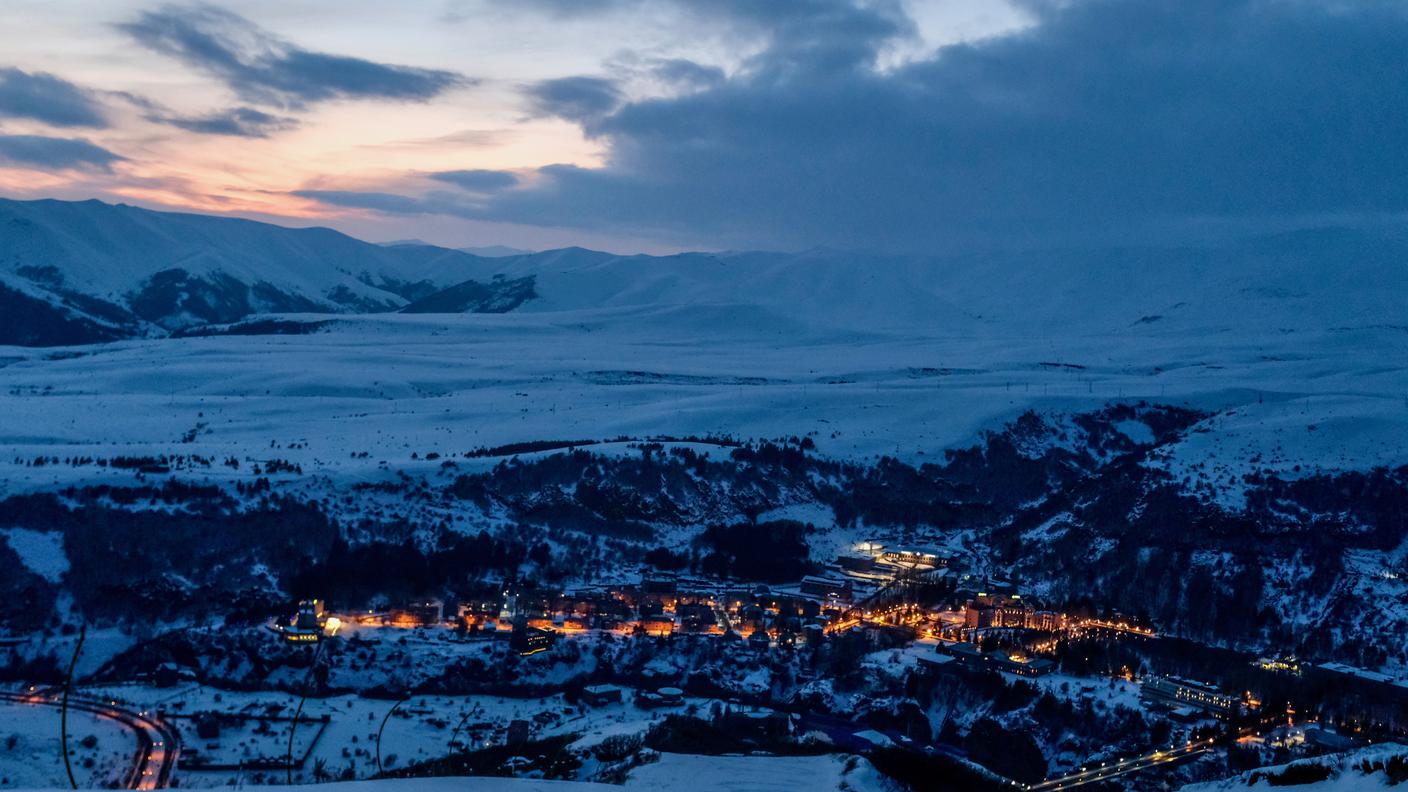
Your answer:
<point x="310" y="623"/>
<point x="1046" y="621"/>
<point x="997" y="610"/>
<point x="530" y="640"/>
<point x="1178" y="692"/>
<point x="970" y="657"/>
<point x="695" y="616"/>
<point x="830" y="589"/>
<point x="1286" y="664"/>
<point x="913" y="557"/>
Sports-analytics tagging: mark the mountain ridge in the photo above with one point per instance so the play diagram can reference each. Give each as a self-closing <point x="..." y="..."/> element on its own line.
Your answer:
<point x="167" y="270"/>
<point x="146" y="273"/>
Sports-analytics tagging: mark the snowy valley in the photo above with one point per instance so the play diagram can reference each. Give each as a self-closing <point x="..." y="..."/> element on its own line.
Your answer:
<point x="204" y="421"/>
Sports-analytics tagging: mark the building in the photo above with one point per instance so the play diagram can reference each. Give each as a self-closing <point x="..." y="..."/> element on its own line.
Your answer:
<point x="664" y="697"/>
<point x="828" y="588"/>
<point x="872" y="549"/>
<point x="856" y="563"/>
<point x="660" y="626"/>
<point x="968" y="656"/>
<point x="1373" y="678"/>
<point x="1013" y="614"/>
<point x="1008" y="612"/>
<point x="530" y="640"/>
<point x="975" y="618"/>
<point x="309" y="624"/>
<point x="427" y="612"/>
<point x="479" y="609"/>
<point x="695" y="616"/>
<point x="660" y="585"/>
<point x="914" y="557"/>
<point x="999" y="610"/>
<point x="601" y="695"/>
<point x="1177" y="692"/>
<point x="1020" y="665"/>
<point x="1284" y="664"/>
<point x="963" y="652"/>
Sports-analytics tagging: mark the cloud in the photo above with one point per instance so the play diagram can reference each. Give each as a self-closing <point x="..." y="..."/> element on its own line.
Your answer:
<point x="265" y="69"/>
<point x="235" y="122"/>
<point x="823" y="34"/>
<point x="389" y="203"/>
<point x="1104" y="117"/>
<point x="683" y="73"/>
<point x="814" y="37"/>
<point x="56" y="153"/>
<point x="583" y="100"/>
<point x="44" y="97"/>
<point x="481" y="181"/>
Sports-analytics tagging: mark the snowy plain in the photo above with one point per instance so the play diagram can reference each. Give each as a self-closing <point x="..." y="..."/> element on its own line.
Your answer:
<point x="393" y="386"/>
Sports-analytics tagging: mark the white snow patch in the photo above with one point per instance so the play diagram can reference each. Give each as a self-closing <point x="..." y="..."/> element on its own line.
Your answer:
<point x="41" y="551"/>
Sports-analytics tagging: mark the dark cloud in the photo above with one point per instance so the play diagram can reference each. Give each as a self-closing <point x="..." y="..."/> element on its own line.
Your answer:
<point x="44" y="97"/>
<point x="1104" y="116"/>
<point x="583" y="100"/>
<point x="813" y="37"/>
<point x="687" y="74"/>
<point x="261" y="67"/>
<point x="822" y="34"/>
<point x="389" y="203"/>
<point x="482" y="181"/>
<point x="235" y="122"/>
<point x="53" y="153"/>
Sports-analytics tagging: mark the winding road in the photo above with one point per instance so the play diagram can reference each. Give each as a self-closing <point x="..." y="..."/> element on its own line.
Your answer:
<point x="158" y="744"/>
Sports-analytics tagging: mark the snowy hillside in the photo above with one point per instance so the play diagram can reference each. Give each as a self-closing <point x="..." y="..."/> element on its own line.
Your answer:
<point x="1378" y="767"/>
<point x="96" y="271"/>
<point x="131" y="265"/>
<point x="1321" y="279"/>
<point x="671" y="773"/>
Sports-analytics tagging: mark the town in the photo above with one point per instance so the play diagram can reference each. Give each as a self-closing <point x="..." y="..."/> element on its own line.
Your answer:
<point x="952" y="624"/>
<point x="904" y="593"/>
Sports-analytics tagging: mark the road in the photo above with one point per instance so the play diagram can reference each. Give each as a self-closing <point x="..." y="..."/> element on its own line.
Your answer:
<point x="158" y="745"/>
<point x="1124" y="767"/>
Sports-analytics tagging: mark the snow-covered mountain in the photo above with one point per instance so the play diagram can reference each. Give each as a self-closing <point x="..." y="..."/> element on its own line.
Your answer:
<point x="1310" y="279"/>
<point x="90" y="271"/>
<point x="87" y="271"/>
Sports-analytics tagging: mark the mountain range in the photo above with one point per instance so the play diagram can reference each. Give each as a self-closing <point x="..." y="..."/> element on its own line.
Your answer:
<point x="85" y="272"/>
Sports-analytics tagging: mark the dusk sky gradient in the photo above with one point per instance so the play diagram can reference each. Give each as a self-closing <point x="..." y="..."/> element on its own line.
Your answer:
<point x="661" y="125"/>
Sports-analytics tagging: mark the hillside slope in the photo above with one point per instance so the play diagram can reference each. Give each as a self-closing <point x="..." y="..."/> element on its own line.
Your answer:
<point x="1316" y="279"/>
<point x="160" y="271"/>
<point x="170" y="270"/>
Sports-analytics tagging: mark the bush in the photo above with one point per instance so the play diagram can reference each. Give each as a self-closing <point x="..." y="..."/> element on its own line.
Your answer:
<point x="618" y="747"/>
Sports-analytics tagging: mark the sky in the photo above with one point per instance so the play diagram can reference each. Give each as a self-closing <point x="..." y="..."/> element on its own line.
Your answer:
<point x="665" y="125"/>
